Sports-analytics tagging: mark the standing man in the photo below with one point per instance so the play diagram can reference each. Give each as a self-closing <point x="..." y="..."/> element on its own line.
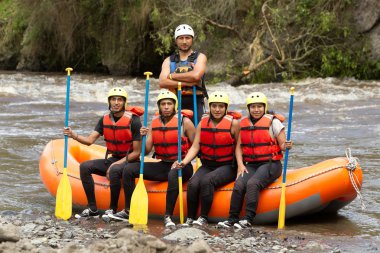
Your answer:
<point x="121" y="130"/>
<point x="186" y="66"/>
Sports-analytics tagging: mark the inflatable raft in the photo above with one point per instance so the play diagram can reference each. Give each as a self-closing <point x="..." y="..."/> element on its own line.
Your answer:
<point x="324" y="187"/>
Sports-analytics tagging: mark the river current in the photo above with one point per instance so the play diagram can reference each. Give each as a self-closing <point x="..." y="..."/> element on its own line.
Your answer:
<point x="329" y="116"/>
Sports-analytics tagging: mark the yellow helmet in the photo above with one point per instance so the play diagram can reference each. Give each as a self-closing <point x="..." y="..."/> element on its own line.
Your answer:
<point x="167" y="94"/>
<point x="257" y="98"/>
<point x="219" y="97"/>
<point x="118" y="91"/>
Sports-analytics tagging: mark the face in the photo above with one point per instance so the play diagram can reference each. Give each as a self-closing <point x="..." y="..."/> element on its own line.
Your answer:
<point x="117" y="104"/>
<point x="184" y="42"/>
<point x="167" y="107"/>
<point x="218" y="110"/>
<point x="256" y="110"/>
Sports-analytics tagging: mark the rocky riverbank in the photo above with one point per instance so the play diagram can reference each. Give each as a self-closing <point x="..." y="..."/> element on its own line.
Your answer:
<point x="28" y="232"/>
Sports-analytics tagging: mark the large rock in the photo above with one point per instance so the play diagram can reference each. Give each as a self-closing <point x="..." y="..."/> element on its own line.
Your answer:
<point x="367" y="19"/>
<point x="367" y="14"/>
<point x="374" y="40"/>
<point x="9" y="233"/>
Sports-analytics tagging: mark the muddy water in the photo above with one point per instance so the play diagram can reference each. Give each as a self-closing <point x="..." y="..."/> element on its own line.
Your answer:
<point x="329" y="116"/>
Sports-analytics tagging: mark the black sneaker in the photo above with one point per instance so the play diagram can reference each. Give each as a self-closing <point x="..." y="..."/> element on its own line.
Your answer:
<point x="188" y="222"/>
<point x="122" y="215"/>
<point x="243" y="224"/>
<point x="168" y="222"/>
<point x="226" y="224"/>
<point x="87" y="213"/>
<point x="200" y="221"/>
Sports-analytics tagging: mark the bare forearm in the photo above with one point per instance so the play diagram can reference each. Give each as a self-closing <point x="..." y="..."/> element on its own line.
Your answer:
<point x="189" y="77"/>
<point x="133" y="156"/>
<point x="193" y="151"/>
<point x="172" y="84"/>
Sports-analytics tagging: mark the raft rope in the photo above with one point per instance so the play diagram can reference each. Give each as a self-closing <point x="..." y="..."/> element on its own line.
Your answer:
<point x="54" y="163"/>
<point x="351" y="166"/>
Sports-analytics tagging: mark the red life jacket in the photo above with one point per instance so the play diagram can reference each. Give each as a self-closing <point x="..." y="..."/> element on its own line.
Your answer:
<point x="256" y="142"/>
<point x="118" y="136"/>
<point x="165" y="139"/>
<point x="216" y="143"/>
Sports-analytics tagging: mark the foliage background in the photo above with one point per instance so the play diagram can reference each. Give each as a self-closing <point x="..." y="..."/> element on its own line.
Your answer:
<point x="270" y="40"/>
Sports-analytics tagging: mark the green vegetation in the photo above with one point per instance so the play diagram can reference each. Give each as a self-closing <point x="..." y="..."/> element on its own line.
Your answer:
<point x="270" y="40"/>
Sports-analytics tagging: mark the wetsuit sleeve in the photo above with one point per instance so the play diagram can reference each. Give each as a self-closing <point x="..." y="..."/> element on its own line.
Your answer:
<point x="135" y="128"/>
<point x="99" y="126"/>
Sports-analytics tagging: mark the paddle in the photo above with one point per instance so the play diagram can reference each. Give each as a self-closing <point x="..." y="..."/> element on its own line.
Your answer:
<point x="198" y="163"/>
<point x="138" y="214"/>
<point x="180" y="153"/>
<point x="63" y="200"/>
<point x="281" y="213"/>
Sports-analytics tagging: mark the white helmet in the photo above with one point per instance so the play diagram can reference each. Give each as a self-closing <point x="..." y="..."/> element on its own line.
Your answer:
<point x="183" y="30"/>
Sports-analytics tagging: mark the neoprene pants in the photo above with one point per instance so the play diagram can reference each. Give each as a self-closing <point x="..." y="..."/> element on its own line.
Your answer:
<point x="202" y="185"/>
<point x="155" y="171"/>
<point x="98" y="167"/>
<point x="259" y="176"/>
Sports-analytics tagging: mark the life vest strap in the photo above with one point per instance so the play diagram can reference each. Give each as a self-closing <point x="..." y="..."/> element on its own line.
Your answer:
<point x="215" y="157"/>
<point x="117" y="142"/>
<point x="259" y="156"/>
<point x="118" y="153"/>
<point x="215" y="145"/>
<point x="164" y="128"/>
<point x="168" y="144"/>
<point x="114" y="127"/>
<point x="257" y="144"/>
<point x="215" y="130"/>
<point x="254" y="128"/>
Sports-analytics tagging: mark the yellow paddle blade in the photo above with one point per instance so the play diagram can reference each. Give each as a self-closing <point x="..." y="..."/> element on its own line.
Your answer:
<point x="180" y="200"/>
<point x="197" y="164"/>
<point x="63" y="204"/>
<point x="138" y="213"/>
<point x="281" y="211"/>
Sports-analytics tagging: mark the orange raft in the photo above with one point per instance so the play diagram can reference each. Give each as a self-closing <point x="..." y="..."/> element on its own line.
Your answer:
<point x="323" y="187"/>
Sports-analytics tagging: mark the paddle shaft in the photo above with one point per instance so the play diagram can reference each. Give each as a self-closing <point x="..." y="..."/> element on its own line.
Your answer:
<point x="147" y="83"/>
<point x="63" y="204"/>
<point x="282" y="207"/>
<point x="195" y="103"/>
<point x="179" y="95"/>
<point x="67" y="116"/>
<point x="288" y="133"/>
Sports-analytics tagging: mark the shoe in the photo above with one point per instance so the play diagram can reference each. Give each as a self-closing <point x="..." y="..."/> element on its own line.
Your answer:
<point x="188" y="222"/>
<point x="109" y="211"/>
<point x="226" y="224"/>
<point x="200" y="221"/>
<point x="122" y="215"/>
<point x="243" y="224"/>
<point x="87" y="213"/>
<point x="168" y="222"/>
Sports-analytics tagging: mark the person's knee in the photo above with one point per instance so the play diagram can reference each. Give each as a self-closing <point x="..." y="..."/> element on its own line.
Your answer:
<point x="207" y="180"/>
<point x="255" y="183"/>
<point x="84" y="169"/>
<point x="193" y="184"/>
<point x="239" y="186"/>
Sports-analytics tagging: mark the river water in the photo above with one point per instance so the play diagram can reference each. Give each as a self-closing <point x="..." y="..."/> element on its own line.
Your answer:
<point x="329" y="116"/>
